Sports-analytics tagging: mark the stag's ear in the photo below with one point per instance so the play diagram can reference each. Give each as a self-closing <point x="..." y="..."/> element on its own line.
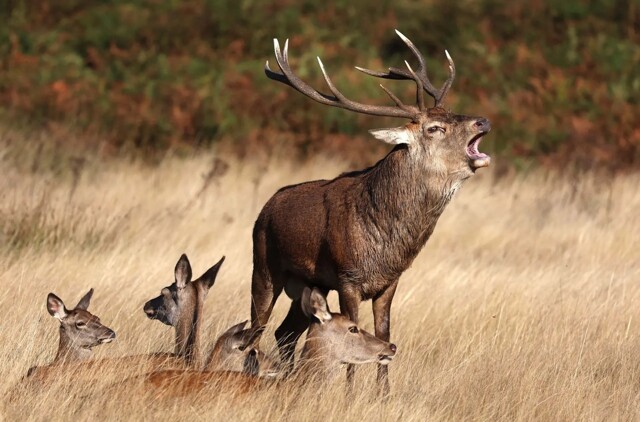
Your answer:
<point x="207" y="279"/>
<point x="84" y="302"/>
<point x="183" y="272"/>
<point x="394" y="136"/>
<point x="55" y="306"/>
<point x="314" y="305"/>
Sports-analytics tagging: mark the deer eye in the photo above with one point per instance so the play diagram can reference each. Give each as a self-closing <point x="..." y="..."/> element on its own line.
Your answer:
<point x="81" y="324"/>
<point x="434" y="129"/>
<point x="353" y="329"/>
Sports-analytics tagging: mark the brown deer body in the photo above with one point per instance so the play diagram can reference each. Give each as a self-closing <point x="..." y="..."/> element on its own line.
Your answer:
<point x="360" y="231"/>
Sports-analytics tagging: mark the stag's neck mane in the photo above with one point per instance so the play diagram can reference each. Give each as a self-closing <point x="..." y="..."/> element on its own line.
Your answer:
<point x="404" y="194"/>
<point x="408" y="181"/>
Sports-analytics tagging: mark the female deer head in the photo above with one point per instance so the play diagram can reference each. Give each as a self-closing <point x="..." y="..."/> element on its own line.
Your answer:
<point x="80" y="330"/>
<point x="181" y="305"/>
<point x="333" y="339"/>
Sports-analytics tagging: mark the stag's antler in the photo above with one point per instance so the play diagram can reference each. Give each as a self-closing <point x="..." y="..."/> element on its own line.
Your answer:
<point x="287" y="77"/>
<point x="395" y="73"/>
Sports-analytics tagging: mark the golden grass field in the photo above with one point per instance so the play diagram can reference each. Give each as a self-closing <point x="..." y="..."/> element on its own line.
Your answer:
<point x="525" y="303"/>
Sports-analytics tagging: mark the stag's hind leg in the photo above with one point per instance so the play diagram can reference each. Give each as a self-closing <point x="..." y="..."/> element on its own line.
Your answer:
<point x="264" y="294"/>
<point x="266" y="286"/>
<point x="287" y="335"/>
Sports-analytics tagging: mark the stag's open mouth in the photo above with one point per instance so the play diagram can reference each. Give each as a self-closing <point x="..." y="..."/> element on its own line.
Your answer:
<point x="478" y="159"/>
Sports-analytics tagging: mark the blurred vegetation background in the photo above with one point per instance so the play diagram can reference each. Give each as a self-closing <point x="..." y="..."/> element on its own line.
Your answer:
<point x="560" y="80"/>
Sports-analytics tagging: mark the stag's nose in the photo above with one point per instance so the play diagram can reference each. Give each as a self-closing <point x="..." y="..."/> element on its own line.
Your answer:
<point x="393" y="348"/>
<point x="483" y="125"/>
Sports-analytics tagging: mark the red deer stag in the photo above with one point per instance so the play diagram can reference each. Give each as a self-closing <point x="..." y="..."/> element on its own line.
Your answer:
<point x="358" y="232"/>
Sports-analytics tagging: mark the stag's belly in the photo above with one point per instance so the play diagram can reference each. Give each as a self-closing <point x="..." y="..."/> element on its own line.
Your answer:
<point x="315" y="238"/>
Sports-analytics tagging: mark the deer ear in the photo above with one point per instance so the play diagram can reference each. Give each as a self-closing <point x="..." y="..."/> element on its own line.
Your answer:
<point x="84" y="302"/>
<point x="56" y="308"/>
<point x="236" y="328"/>
<point x="394" y="136"/>
<point x="248" y="337"/>
<point x="314" y="305"/>
<point x="207" y="279"/>
<point x="183" y="272"/>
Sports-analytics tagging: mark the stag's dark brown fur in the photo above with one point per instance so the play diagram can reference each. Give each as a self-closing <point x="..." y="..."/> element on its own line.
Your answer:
<point x="358" y="232"/>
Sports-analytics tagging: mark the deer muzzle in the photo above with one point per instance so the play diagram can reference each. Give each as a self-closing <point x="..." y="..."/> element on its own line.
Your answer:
<point x="386" y="357"/>
<point x="478" y="159"/>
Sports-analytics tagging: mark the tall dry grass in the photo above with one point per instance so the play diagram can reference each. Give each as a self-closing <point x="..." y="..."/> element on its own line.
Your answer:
<point x="523" y="305"/>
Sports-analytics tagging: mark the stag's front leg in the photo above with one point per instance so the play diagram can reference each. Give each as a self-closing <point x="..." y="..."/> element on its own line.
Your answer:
<point x="349" y="302"/>
<point x="382" y="321"/>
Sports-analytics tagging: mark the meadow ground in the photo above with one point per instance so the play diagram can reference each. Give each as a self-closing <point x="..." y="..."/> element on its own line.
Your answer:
<point x="525" y="303"/>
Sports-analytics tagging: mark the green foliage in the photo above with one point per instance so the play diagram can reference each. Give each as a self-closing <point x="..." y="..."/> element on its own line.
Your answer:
<point x="559" y="79"/>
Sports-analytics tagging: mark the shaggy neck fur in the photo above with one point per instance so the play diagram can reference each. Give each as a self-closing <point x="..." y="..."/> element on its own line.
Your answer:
<point x="403" y="195"/>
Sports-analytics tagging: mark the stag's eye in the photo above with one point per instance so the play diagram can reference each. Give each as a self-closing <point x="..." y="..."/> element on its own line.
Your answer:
<point x="81" y="324"/>
<point x="434" y="129"/>
<point x="353" y="329"/>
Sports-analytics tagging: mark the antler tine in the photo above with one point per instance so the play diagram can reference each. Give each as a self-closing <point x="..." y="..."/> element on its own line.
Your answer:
<point x="419" y="93"/>
<point x="394" y="98"/>
<point x="452" y="74"/>
<point x="422" y="70"/>
<point x="389" y="75"/>
<point x="421" y="73"/>
<point x="287" y="77"/>
<point x="330" y="84"/>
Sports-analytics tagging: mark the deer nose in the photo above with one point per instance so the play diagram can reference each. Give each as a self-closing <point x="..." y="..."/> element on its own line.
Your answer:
<point x="483" y="125"/>
<point x="110" y="335"/>
<point x="148" y="309"/>
<point x="393" y="348"/>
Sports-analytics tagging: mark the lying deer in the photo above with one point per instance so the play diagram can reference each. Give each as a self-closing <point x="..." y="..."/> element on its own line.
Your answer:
<point x="184" y="314"/>
<point x="332" y="340"/>
<point x="80" y="331"/>
<point x="358" y="232"/>
<point x="234" y="351"/>
<point x="181" y="305"/>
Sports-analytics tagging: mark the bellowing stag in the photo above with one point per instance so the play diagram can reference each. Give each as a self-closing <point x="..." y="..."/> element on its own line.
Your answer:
<point x="358" y="232"/>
